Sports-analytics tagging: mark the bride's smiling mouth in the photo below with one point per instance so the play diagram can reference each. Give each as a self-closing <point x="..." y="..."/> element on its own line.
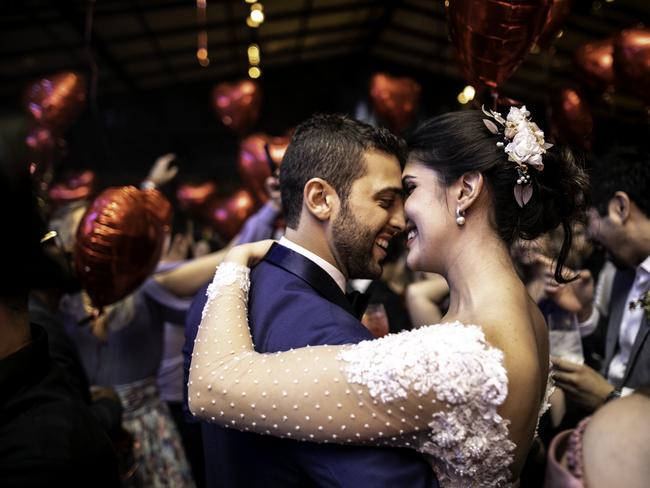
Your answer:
<point x="411" y="233"/>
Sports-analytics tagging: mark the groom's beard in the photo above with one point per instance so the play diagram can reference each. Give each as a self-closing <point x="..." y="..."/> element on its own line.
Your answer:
<point x="354" y="243"/>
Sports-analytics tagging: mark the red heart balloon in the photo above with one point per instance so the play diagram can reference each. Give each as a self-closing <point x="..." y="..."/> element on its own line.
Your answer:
<point x="632" y="61"/>
<point x="571" y="118"/>
<point x="193" y="196"/>
<point x="595" y="60"/>
<point x="78" y="185"/>
<point x="492" y="37"/>
<point x="227" y="215"/>
<point x="56" y="101"/>
<point x="237" y="105"/>
<point x="254" y="166"/>
<point x="557" y="14"/>
<point x="119" y="241"/>
<point x="395" y="100"/>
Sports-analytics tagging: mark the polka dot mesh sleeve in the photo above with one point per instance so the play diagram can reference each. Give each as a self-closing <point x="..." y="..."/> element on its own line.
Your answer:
<point x="421" y="389"/>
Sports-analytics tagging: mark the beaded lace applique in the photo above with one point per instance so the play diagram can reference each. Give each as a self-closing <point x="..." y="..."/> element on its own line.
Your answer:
<point x="467" y="442"/>
<point x="227" y="274"/>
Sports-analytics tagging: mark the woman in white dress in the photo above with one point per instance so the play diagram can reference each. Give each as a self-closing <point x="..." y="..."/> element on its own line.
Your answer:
<point x="467" y="392"/>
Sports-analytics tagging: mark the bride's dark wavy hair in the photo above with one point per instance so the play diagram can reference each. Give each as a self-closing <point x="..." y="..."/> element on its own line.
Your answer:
<point x="458" y="142"/>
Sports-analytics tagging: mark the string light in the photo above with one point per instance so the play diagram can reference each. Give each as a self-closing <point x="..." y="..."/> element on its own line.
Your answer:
<point x="254" y="20"/>
<point x="202" y="36"/>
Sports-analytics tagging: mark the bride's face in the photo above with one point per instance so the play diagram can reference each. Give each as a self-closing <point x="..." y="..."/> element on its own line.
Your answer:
<point x="428" y="217"/>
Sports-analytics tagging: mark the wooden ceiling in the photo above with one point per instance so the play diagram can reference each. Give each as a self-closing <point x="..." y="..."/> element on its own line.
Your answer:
<point x="138" y="45"/>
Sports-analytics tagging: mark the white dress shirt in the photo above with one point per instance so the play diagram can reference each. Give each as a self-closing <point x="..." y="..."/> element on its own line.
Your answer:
<point x="330" y="269"/>
<point x="602" y="296"/>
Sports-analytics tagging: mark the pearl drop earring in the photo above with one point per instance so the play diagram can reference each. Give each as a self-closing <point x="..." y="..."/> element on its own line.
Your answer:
<point x="460" y="219"/>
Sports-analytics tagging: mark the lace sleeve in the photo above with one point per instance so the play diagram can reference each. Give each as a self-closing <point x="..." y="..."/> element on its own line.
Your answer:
<point x="384" y="390"/>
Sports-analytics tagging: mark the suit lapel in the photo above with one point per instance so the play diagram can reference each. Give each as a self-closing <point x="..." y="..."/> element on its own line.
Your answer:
<point x="620" y="289"/>
<point x="641" y="337"/>
<point x="310" y="272"/>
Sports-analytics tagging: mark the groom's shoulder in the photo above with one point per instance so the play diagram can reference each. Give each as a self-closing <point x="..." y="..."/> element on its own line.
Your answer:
<point x="285" y="309"/>
<point x="273" y="283"/>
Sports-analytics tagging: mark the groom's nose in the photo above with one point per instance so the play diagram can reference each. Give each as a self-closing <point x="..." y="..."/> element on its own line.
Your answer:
<point x="397" y="219"/>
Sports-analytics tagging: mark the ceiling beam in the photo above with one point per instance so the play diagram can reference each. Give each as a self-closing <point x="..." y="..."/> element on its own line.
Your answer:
<point x="269" y="14"/>
<point x="193" y="66"/>
<point x="282" y="36"/>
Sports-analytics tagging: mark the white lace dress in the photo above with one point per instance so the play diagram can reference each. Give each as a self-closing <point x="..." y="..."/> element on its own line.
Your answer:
<point x="435" y="389"/>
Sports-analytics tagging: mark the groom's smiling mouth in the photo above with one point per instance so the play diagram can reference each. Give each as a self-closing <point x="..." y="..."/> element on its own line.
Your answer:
<point x="382" y="243"/>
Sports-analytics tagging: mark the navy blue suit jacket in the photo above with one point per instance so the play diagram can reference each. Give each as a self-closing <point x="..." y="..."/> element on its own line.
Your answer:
<point x="294" y="303"/>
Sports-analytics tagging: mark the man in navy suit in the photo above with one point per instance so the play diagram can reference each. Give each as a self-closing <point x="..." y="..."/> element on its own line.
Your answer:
<point x="342" y="199"/>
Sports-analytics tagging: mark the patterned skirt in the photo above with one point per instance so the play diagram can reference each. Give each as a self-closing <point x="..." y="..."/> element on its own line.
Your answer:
<point x="159" y="456"/>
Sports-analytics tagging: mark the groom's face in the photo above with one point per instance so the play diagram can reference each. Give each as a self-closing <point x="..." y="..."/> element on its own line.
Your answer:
<point x="370" y="217"/>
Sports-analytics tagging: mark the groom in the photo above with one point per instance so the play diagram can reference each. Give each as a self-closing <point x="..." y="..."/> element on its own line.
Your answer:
<point x="342" y="199"/>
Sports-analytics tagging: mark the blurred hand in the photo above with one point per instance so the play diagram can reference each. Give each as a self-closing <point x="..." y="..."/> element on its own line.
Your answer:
<point x="272" y="187"/>
<point x="178" y="249"/>
<point x="161" y="172"/>
<point x="575" y="297"/>
<point x="581" y="384"/>
<point x="249" y="254"/>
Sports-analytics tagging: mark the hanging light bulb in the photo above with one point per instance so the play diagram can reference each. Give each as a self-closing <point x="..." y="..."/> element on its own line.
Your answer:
<point x="469" y="92"/>
<point x="256" y="15"/>
<point x="254" y="72"/>
<point x="254" y="54"/>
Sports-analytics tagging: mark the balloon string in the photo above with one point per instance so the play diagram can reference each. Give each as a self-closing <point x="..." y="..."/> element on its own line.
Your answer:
<point x="90" y="13"/>
<point x="94" y="76"/>
<point x="272" y="164"/>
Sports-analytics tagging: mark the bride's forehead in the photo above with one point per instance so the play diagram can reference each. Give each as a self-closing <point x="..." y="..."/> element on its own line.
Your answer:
<point x="416" y="169"/>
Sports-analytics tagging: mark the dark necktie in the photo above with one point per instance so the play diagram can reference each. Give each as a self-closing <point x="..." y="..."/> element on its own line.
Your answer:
<point x="359" y="302"/>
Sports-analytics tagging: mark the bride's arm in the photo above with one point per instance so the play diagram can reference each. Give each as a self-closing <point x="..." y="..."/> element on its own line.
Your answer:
<point x="377" y="389"/>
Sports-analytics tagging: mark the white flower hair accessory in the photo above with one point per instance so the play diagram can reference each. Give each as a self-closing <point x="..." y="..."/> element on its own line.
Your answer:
<point x="524" y="144"/>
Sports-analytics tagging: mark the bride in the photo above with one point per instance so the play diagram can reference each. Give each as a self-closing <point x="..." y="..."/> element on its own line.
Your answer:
<point x="466" y="393"/>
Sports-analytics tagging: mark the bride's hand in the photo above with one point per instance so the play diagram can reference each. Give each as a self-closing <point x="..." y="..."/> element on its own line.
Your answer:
<point x="249" y="254"/>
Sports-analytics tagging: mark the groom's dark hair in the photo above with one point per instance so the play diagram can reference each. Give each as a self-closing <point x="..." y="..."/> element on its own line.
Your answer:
<point x="331" y="147"/>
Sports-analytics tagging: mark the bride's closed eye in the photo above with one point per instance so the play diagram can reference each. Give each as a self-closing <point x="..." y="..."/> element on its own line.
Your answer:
<point x="408" y="188"/>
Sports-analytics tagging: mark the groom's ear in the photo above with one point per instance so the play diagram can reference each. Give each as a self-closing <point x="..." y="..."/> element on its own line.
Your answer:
<point x="319" y="198"/>
<point x="467" y="189"/>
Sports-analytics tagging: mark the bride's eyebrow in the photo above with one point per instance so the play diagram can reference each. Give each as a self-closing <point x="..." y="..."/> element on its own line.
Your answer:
<point x="407" y="178"/>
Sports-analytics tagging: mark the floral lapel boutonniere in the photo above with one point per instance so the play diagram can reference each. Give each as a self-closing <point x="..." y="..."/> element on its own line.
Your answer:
<point x="642" y="302"/>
